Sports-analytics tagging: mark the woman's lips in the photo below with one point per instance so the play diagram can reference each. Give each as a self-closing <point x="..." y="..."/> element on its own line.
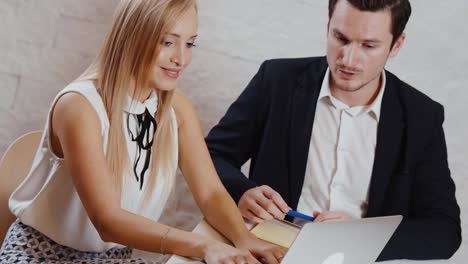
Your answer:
<point x="171" y="73"/>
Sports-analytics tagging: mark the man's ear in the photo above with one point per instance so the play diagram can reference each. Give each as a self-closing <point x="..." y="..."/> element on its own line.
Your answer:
<point x="397" y="45"/>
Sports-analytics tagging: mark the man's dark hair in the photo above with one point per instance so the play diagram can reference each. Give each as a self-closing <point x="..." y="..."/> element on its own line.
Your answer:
<point x="400" y="12"/>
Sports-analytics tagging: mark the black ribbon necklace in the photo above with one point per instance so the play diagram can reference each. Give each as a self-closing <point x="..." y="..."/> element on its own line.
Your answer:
<point x="144" y="140"/>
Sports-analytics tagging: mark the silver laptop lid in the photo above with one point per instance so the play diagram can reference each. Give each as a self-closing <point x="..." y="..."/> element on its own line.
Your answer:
<point x="348" y="242"/>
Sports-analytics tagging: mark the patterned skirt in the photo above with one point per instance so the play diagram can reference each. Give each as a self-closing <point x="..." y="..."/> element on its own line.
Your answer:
<point x="24" y="244"/>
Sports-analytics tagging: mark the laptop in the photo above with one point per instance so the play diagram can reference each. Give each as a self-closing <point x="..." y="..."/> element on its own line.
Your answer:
<point x="348" y="242"/>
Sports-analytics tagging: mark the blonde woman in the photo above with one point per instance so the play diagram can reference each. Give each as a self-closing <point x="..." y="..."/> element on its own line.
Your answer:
<point x="110" y="150"/>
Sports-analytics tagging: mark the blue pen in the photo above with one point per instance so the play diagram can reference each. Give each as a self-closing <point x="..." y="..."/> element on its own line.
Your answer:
<point x="299" y="215"/>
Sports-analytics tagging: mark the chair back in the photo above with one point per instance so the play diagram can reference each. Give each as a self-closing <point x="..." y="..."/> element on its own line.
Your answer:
<point x="14" y="167"/>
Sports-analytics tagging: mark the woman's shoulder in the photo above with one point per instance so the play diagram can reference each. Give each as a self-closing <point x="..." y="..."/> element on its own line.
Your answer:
<point x="81" y="85"/>
<point x="79" y="104"/>
<point x="74" y="106"/>
<point x="84" y="94"/>
<point x="85" y="87"/>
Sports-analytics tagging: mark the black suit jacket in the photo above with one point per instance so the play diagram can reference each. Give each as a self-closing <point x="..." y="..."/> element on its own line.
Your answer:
<point x="271" y="124"/>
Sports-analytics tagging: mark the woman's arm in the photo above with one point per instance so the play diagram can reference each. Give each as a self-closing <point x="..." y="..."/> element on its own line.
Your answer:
<point x="77" y="132"/>
<point x="216" y="204"/>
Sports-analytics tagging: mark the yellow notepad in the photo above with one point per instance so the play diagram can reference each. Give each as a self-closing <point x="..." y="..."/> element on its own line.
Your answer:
<point x="278" y="232"/>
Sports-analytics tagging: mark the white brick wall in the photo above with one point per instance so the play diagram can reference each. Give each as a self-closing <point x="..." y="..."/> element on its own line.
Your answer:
<point x="46" y="44"/>
<point x="43" y="46"/>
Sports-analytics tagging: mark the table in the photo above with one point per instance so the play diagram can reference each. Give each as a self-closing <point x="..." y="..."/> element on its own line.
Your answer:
<point x="204" y="228"/>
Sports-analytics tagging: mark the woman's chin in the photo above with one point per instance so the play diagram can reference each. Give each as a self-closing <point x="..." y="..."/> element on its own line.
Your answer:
<point x="165" y="88"/>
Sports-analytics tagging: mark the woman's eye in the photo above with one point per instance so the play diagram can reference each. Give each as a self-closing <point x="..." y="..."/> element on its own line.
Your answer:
<point x="191" y="45"/>
<point x="168" y="43"/>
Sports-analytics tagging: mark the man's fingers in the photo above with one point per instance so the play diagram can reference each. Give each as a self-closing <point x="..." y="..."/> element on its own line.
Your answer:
<point x="259" y="211"/>
<point x="328" y="216"/>
<point x="280" y="203"/>
<point x="249" y="207"/>
<point x="270" y="207"/>
<point x="249" y="215"/>
<point x="264" y="203"/>
<point x="324" y="219"/>
<point x="276" y="198"/>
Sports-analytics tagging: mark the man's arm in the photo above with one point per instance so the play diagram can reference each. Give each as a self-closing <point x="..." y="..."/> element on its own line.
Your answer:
<point x="234" y="140"/>
<point x="433" y="230"/>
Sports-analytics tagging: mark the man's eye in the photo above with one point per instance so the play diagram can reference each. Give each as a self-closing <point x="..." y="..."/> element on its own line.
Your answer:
<point x="341" y="39"/>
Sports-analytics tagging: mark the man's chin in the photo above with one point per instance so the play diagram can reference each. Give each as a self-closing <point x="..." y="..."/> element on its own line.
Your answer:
<point x="350" y="88"/>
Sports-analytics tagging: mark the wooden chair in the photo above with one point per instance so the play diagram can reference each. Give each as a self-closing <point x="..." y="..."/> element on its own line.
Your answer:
<point x="14" y="167"/>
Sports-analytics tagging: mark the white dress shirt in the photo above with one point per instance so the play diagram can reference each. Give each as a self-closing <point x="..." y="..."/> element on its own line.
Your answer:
<point x="341" y="155"/>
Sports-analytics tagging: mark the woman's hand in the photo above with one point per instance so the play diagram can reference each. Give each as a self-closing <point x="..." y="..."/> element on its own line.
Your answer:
<point x="266" y="252"/>
<point x="219" y="253"/>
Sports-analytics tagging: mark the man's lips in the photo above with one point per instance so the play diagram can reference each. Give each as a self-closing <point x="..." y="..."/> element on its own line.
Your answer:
<point x="346" y="74"/>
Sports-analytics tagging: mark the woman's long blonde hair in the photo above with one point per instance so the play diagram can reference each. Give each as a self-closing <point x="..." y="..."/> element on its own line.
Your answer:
<point x="127" y="58"/>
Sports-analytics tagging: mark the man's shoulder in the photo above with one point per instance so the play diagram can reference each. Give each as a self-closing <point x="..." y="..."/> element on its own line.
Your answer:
<point x="414" y="99"/>
<point x="292" y="66"/>
<point x="295" y="62"/>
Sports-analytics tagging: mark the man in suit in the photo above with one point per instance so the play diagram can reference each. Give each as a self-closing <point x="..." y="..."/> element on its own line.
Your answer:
<point x="340" y="137"/>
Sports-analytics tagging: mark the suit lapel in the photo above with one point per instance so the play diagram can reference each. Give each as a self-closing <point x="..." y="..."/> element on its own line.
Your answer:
<point x="389" y="139"/>
<point x="302" y="104"/>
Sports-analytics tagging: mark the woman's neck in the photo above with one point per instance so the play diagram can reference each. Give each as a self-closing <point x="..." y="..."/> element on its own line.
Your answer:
<point x="142" y="95"/>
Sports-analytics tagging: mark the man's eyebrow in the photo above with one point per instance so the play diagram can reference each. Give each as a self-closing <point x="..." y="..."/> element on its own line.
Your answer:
<point x="372" y="40"/>
<point x="337" y="32"/>
<point x="341" y="35"/>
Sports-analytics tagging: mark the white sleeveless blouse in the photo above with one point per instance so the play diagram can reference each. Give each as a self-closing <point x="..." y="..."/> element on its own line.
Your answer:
<point x="47" y="199"/>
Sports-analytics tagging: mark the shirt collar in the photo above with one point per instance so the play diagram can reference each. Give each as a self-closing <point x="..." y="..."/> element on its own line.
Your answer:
<point x="374" y="107"/>
<point x="377" y="104"/>
<point x="133" y="106"/>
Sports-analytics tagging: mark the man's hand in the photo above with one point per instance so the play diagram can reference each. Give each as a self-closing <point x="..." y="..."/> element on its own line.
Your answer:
<point x="331" y="216"/>
<point x="261" y="204"/>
